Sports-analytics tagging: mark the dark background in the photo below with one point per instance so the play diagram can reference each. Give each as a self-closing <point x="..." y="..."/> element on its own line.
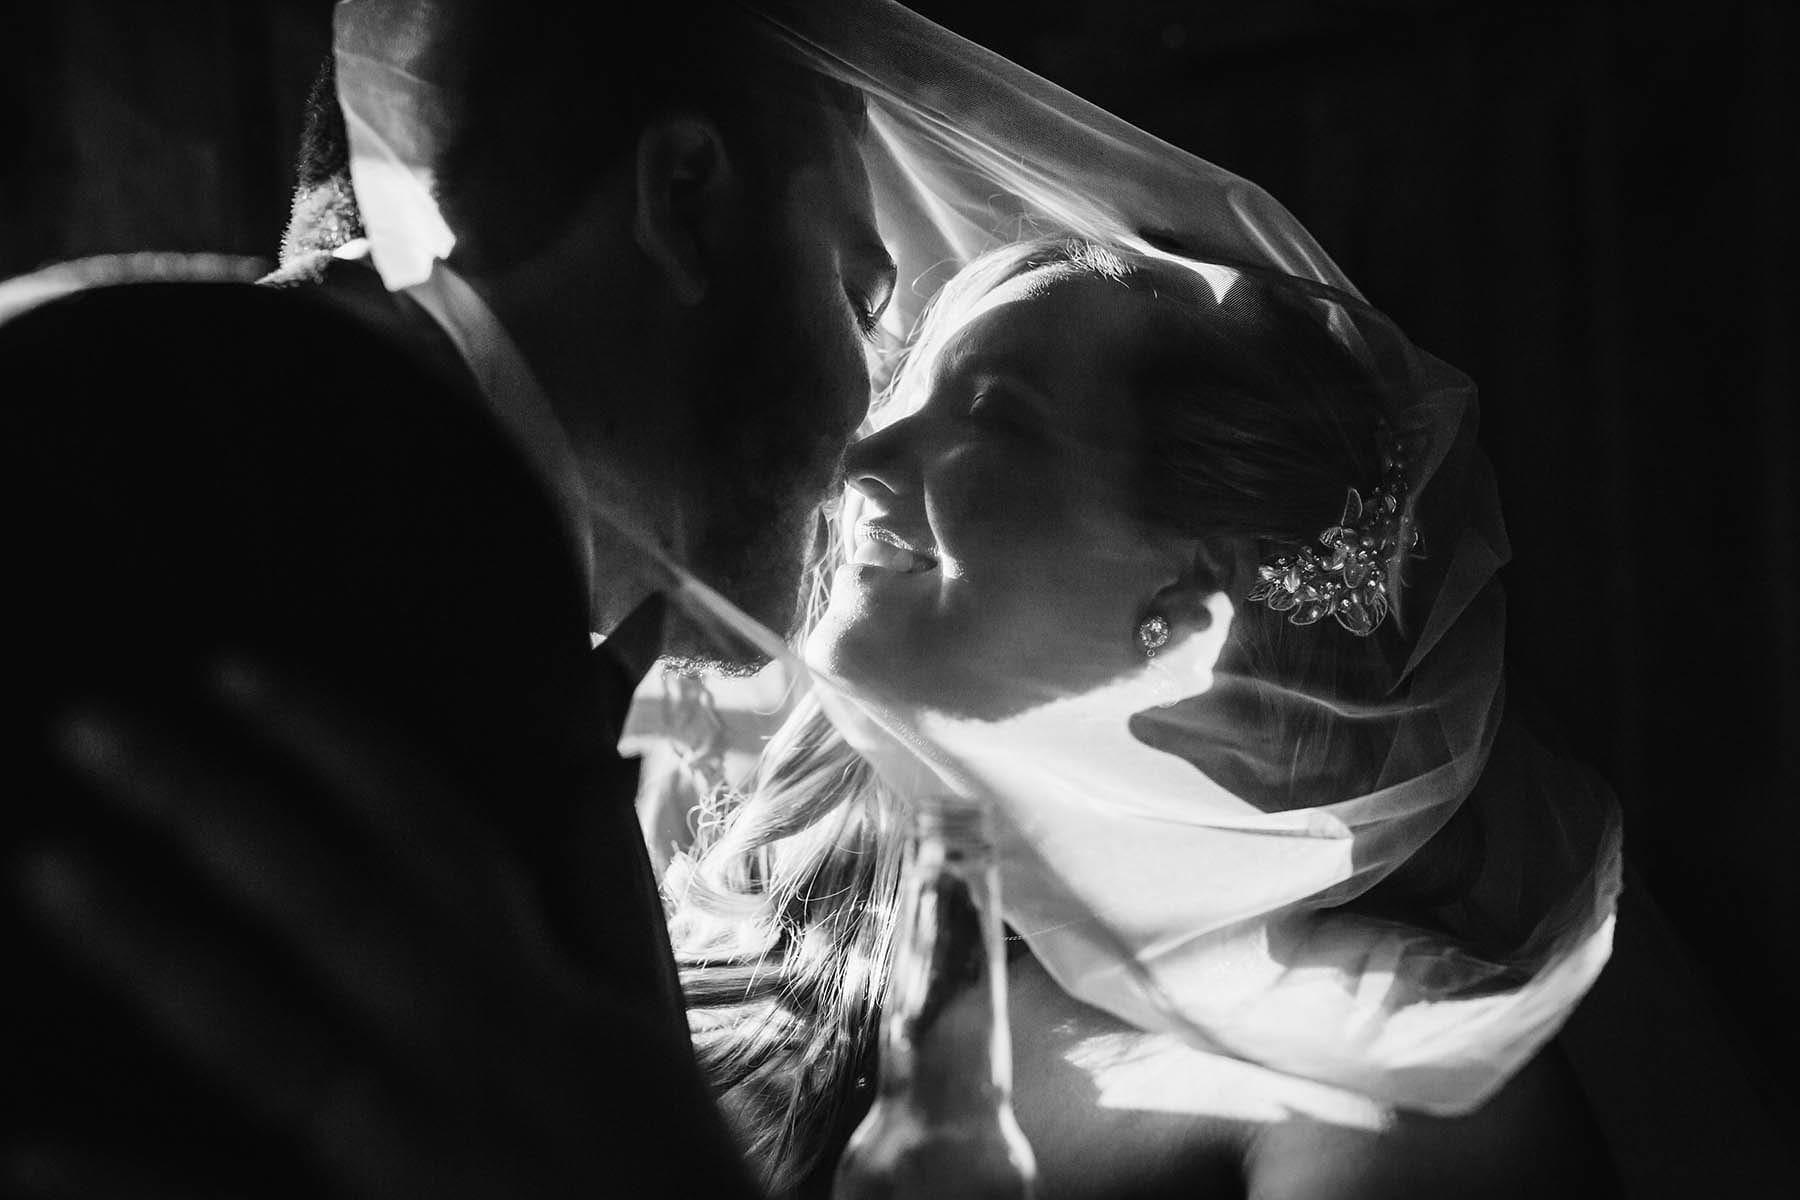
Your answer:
<point x="1589" y="208"/>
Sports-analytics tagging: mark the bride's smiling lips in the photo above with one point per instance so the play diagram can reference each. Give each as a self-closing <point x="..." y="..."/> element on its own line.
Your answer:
<point x="878" y="545"/>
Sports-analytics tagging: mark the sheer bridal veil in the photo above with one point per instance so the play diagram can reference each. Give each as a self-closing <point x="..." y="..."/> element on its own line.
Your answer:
<point x="1198" y="846"/>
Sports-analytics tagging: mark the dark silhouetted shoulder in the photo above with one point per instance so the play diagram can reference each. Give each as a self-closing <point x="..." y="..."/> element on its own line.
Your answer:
<point x="198" y="469"/>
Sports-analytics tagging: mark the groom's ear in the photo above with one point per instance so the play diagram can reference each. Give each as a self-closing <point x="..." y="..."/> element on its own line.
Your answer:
<point x="688" y="192"/>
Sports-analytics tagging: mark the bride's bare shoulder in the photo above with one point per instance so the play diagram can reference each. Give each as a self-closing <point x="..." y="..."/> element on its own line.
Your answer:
<point x="1113" y="1111"/>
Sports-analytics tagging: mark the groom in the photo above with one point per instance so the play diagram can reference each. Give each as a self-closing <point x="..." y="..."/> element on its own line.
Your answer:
<point x="326" y="878"/>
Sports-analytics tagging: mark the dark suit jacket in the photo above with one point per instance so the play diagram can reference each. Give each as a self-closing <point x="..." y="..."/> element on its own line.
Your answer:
<point x="200" y="468"/>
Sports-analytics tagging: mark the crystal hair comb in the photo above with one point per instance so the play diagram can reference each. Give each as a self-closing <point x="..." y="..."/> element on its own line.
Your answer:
<point x="1349" y="579"/>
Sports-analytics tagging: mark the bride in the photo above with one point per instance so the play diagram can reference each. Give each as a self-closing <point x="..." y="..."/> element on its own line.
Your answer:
<point x="1134" y="556"/>
<point x="1304" y="904"/>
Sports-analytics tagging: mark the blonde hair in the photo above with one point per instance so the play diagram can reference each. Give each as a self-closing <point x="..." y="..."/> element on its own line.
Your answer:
<point x="783" y="925"/>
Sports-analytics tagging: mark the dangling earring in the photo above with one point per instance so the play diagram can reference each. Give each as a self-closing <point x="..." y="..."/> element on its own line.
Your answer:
<point x="1152" y="634"/>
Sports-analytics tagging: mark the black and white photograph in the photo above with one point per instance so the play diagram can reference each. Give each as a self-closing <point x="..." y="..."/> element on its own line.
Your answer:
<point x="858" y="600"/>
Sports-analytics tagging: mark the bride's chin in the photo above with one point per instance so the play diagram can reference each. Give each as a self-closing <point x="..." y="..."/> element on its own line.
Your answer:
<point x="815" y="651"/>
<point x="823" y="648"/>
<point x="875" y="636"/>
<point x="841" y="646"/>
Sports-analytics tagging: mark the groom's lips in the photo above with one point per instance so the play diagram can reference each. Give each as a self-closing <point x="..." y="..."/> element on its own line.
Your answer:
<point x="879" y="546"/>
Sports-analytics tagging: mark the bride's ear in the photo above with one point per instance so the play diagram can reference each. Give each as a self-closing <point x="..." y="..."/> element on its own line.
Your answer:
<point x="687" y="192"/>
<point x="1211" y="566"/>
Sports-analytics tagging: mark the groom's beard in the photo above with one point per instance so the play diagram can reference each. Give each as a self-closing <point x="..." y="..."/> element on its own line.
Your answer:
<point x="769" y="455"/>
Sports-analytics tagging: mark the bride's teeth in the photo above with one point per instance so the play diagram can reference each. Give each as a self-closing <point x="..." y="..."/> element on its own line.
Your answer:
<point x="894" y="558"/>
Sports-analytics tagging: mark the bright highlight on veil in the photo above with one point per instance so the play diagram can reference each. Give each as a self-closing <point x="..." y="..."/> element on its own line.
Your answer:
<point x="1183" y="841"/>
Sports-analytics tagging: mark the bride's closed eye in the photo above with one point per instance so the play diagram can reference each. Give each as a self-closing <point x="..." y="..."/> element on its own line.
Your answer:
<point x="1000" y="409"/>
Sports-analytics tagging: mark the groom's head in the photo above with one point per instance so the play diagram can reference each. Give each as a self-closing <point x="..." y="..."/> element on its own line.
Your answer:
<point x="672" y="218"/>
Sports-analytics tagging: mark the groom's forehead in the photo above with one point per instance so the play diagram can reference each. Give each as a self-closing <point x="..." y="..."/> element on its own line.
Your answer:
<point x="814" y="121"/>
<point x="847" y="166"/>
<point x="832" y="183"/>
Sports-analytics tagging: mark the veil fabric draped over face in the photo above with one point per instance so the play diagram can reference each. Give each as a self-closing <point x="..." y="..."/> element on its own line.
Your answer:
<point x="1169" y="853"/>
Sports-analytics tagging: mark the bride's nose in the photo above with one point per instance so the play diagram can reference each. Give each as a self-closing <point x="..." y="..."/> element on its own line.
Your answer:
<point x="882" y="465"/>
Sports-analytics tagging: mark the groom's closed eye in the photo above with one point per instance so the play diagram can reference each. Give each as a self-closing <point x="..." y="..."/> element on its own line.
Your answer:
<point x="869" y="282"/>
<point x="868" y="316"/>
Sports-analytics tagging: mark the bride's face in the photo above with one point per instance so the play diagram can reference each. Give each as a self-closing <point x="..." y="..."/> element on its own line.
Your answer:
<point x="997" y="561"/>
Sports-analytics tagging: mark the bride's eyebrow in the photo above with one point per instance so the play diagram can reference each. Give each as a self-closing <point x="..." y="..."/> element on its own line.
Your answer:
<point x="964" y="363"/>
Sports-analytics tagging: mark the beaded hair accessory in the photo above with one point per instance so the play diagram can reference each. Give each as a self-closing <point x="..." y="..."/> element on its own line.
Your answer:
<point x="1349" y="580"/>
